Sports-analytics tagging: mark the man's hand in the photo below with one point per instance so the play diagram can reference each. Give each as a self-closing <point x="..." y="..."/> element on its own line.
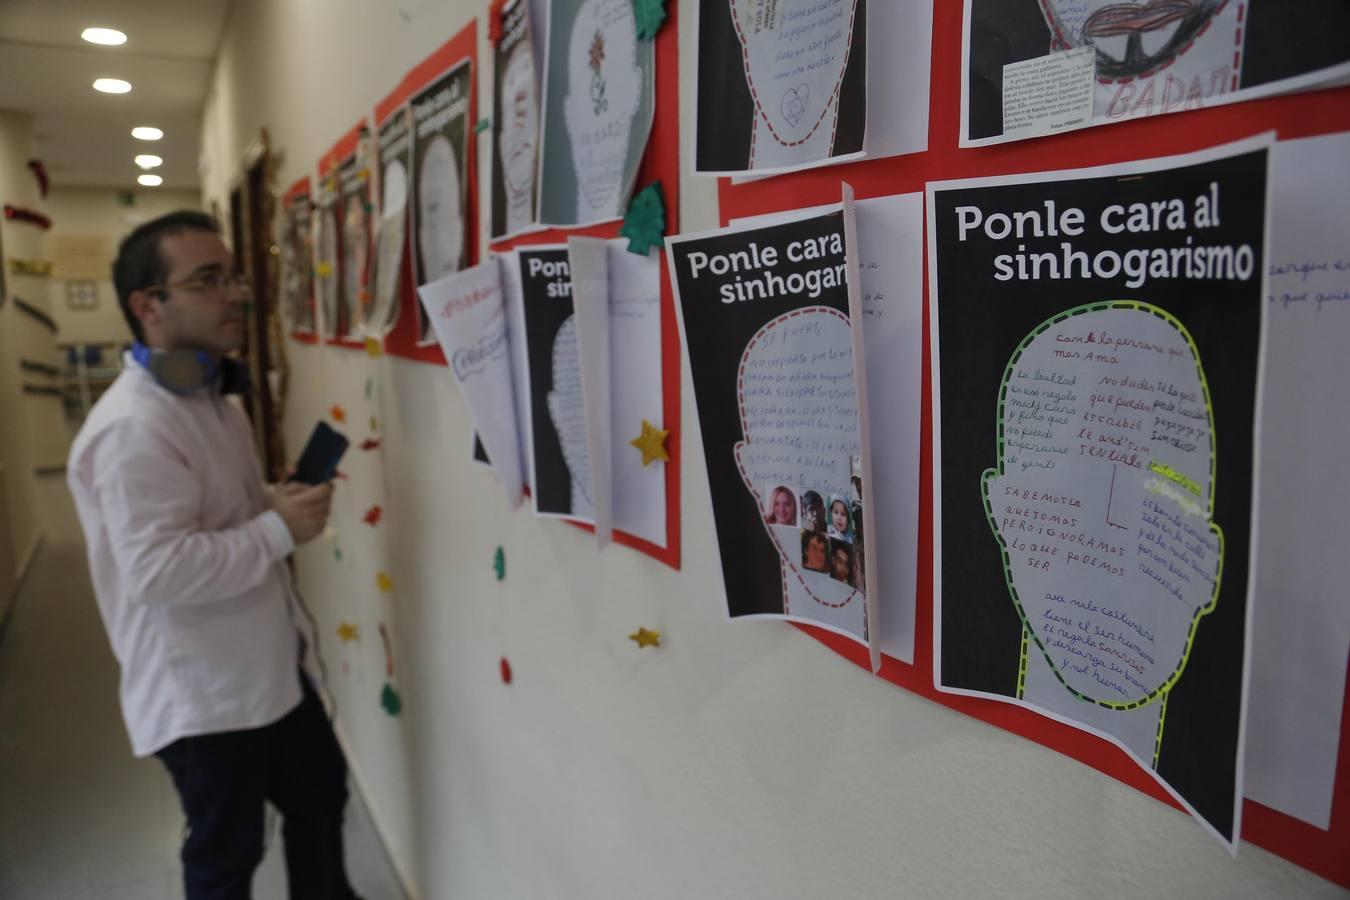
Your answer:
<point x="304" y="508"/>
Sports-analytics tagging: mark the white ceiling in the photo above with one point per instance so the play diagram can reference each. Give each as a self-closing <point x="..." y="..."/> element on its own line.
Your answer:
<point x="84" y="137"/>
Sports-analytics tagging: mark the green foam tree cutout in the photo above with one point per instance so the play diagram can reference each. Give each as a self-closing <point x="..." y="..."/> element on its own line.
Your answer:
<point x="649" y="14"/>
<point x="499" y="563"/>
<point x="645" y="224"/>
<point x="390" y="700"/>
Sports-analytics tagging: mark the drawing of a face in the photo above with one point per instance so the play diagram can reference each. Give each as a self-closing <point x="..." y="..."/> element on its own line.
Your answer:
<point x="1132" y="39"/>
<point x="814" y="547"/>
<point x="519" y="136"/>
<point x="565" y="411"/>
<point x="1102" y="500"/>
<point x="356" y="244"/>
<point x="766" y="456"/>
<point x="603" y="91"/>
<point x="794" y="70"/>
<point x="440" y="217"/>
<point x="784" y="510"/>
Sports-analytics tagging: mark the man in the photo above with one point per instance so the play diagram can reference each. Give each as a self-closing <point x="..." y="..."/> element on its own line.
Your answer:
<point x="187" y="552"/>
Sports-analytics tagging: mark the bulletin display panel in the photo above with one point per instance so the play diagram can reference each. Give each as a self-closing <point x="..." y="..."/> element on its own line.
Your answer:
<point x="1292" y="116"/>
<point x="661" y="162"/>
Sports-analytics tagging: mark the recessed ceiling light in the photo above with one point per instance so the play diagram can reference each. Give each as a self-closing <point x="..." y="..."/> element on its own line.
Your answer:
<point x="112" y="85"/>
<point x="146" y="133"/>
<point x="108" y="36"/>
<point x="148" y="161"/>
<point x="149" y="180"/>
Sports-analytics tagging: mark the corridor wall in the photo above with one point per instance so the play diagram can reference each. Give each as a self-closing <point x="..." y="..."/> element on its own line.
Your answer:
<point x="737" y="760"/>
<point x="30" y="423"/>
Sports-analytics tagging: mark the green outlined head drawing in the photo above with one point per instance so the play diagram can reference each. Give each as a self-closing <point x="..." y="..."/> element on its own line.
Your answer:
<point x="1102" y="499"/>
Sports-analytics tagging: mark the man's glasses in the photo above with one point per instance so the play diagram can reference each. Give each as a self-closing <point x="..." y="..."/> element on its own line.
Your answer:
<point x="207" y="282"/>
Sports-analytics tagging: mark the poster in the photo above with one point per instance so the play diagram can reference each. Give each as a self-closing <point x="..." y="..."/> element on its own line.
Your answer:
<point x="599" y="101"/>
<point x="1301" y="625"/>
<point x="560" y="459"/>
<point x="1098" y="336"/>
<point x="356" y="214"/>
<point x="767" y="328"/>
<point x="328" y="264"/>
<point x="1140" y="59"/>
<point x="617" y="300"/>
<point x="297" y="265"/>
<point x="890" y="263"/>
<point x="440" y="180"/>
<point x="393" y="139"/>
<point x="781" y="85"/>
<point x="515" y="124"/>
<point x="467" y="314"/>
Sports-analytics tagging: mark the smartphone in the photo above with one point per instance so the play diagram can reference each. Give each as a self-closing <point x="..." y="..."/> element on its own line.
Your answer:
<point x="319" y="461"/>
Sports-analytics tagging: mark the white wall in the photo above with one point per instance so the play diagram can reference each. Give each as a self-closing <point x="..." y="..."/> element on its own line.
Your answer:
<point x="99" y="213"/>
<point x="739" y="760"/>
<point x="31" y="430"/>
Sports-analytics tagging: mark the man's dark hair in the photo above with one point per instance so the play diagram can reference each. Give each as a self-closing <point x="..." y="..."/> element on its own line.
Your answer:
<point x="139" y="264"/>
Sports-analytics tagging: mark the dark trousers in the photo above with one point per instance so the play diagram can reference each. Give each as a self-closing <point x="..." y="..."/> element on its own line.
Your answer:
<point x="223" y="780"/>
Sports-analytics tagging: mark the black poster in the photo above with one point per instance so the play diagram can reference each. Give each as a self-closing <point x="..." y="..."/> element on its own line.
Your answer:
<point x="440" y="180"/>
<point x="767" y="332"/>
<point x="779" y="87"/>
<point x="562" y="471"/>
<point x="1098" y="342"/>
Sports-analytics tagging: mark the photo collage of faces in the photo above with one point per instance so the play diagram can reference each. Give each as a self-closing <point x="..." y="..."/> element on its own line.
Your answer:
<point x="831" y="526"/>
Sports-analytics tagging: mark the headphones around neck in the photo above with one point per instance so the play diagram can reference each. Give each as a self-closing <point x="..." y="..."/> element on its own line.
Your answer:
<point x="184" y="372"/>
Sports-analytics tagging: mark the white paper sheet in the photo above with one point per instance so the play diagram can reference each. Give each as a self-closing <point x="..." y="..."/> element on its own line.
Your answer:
<point x="520" y="369"/>
<point x="617" y="297"/>
<point x="590" y="303"/>
<point x="1302" y="616"/>
<point x="1048" y="94"/>
<point x="639" y="494"/>
<point x="465" y="311"/>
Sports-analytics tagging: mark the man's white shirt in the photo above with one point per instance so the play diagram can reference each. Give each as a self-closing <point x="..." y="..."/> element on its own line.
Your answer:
<point x="187" y="561"/>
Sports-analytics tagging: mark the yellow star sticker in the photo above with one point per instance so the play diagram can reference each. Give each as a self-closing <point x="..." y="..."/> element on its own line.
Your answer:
<point x="646" y="638"/>
<point x="384" y="582"/>
<point x="347" y="632"/>
<point x="652" y="443"/>
<point x="324" y="269"/>
<point x="373" y="347"/>
<point x="374" y="424"/>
